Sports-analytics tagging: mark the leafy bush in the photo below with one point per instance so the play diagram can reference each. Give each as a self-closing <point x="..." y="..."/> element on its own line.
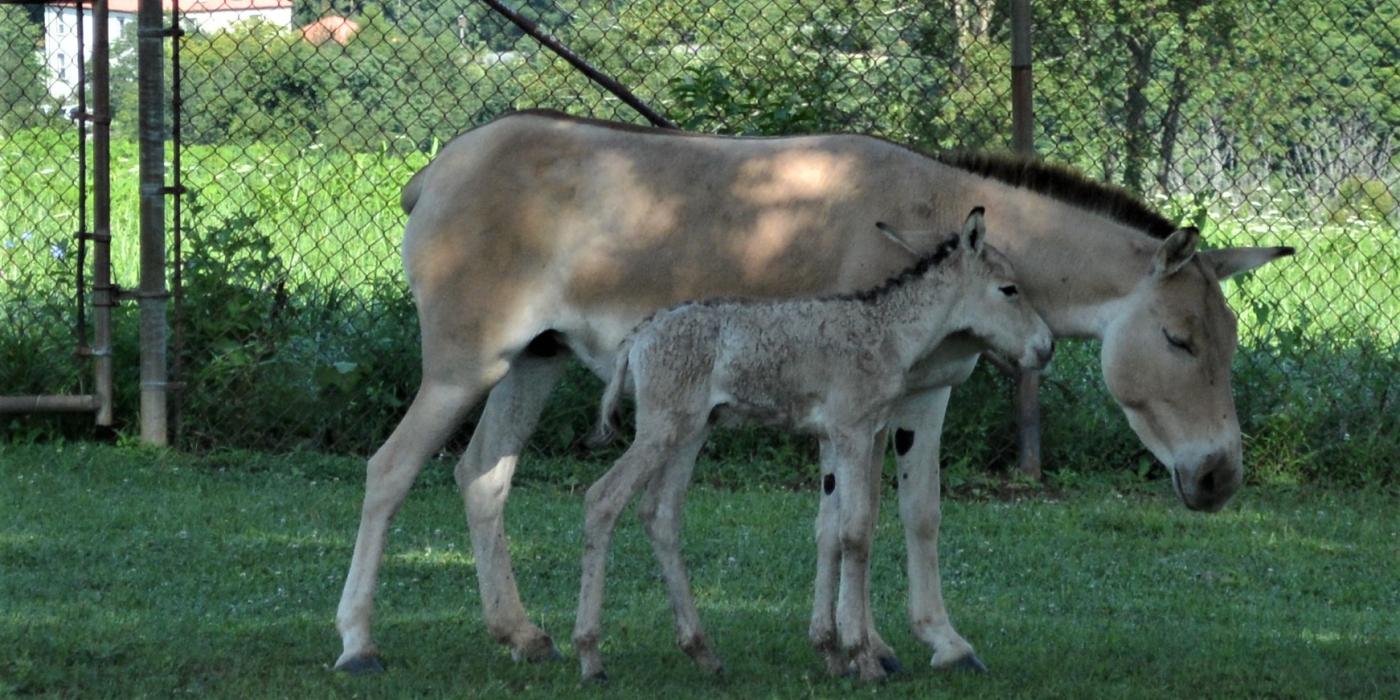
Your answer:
<point x="1367" y="199"/>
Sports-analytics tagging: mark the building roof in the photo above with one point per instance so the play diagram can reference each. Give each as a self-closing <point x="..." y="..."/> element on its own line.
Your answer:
<point x="203" y="6"/>
<point x="330" y="28"/>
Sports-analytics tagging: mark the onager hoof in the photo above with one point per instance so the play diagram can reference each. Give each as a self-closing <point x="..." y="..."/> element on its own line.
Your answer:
<point x="535" y="650"/>
<point x="590" y="660"/>
<point x="837" y="665"/>
<point x="967" y="663"/>
<point x="970" y="663"/>
<point x="365" y="664"/>
<point x="699" y="650"/>
<point x="891" y="664"/>
<point x="870" y="667"/>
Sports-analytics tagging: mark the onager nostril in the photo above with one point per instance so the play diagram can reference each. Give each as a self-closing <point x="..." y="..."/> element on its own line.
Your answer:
<point x="1206" y="484"/>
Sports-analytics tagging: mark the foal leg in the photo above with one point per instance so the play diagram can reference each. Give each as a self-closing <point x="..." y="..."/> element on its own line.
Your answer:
<point x="654" y="445"/>
<point x="661" y="509"/>
<point x="822" y="629"/>
<point x="883" y="651"/>
<point x="856" y="520"/>
<point x="442" y="400"/>
<point x="918" y="425"/>
<point x="483" y="477"/>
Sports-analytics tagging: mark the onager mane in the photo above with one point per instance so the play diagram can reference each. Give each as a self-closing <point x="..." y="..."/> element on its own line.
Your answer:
<point x="1065" y="184"/>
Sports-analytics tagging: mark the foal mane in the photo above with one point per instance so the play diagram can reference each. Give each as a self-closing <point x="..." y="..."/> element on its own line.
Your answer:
<point x="918" y="269"/>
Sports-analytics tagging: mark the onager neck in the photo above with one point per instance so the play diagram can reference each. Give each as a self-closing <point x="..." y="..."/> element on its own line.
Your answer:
<point x="1073" y="264"/>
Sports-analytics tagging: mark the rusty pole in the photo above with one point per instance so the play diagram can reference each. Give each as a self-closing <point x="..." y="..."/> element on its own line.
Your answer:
<point x="1023" y="141"/>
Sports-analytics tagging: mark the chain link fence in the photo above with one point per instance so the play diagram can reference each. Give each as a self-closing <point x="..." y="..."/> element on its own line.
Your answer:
<point x="45" y="184"/>
<point x="1268" y="124"/>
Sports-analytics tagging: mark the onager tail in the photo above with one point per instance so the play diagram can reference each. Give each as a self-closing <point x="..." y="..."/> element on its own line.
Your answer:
<point x="606" y="429"/>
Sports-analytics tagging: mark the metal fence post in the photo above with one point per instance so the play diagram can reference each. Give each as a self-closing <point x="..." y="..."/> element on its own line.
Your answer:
<point x="152" y="295"/>
<point x="102" y="300"/>
<point x="1023" y="141"/>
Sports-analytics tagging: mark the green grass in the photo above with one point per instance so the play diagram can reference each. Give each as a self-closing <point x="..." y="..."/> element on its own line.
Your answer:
<point x="133" y="573"/>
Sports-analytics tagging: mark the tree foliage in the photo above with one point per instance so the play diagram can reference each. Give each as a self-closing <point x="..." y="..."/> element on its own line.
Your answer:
<point x="23" y="99"/>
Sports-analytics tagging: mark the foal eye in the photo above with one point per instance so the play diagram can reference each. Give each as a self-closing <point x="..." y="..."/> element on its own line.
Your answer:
<point x="1179" y="344"/>
<point x="1009" y="290"/>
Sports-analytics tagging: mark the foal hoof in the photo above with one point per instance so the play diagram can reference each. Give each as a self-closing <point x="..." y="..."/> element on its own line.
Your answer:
<point x="362" y="665"/>
<point x="599" y="678"/>
<point x="891" y="664"/>
<point x="537" y="650"/>
<point x="970" y="663"/>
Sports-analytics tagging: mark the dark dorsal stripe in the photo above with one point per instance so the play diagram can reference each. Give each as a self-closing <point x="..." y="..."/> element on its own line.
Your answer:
<point x="1064" y="184"/>
<point x="1058" y="182"/>
<point x="921" y="267"/>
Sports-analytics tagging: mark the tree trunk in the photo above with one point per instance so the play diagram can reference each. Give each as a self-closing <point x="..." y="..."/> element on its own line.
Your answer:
<point x="1171" y="128"/>
<point x="1136" y="139"/>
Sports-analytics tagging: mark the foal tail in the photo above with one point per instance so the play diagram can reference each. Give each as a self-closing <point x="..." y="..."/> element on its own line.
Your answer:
<point x="606" y="429"/>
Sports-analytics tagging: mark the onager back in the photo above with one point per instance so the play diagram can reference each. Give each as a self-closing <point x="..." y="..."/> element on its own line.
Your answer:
<point x="830" y="366"/>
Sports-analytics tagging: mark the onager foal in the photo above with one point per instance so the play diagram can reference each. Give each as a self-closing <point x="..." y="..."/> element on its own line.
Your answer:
<point x="830" y="366"/>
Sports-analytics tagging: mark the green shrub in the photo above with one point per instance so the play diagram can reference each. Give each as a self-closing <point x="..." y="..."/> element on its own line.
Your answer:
<point x="1367" y="199"/>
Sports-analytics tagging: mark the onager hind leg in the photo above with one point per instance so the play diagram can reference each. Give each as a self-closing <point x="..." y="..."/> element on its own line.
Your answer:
<point x="484" y="475"/>
<point x="436" y="411"/>
<point x="661" y="511"/>
<point x="658" y="441"/>
<point x="918" y="424"/>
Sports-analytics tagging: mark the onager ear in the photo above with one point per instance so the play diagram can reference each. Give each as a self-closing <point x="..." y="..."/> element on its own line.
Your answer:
<point x="1228" y="262"/>
<point x="895" y="237"/>
<point x="1175" y="251"/>
<point x="974" y="231"/>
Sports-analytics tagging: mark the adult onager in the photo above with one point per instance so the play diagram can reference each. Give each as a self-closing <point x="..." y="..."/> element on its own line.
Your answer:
<point x="832" y="367"/>
<point x="538" y="232"/>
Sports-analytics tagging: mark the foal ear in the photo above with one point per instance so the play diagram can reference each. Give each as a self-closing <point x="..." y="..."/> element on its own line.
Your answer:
<point x="1228" y="262"/>
<point x="974" y="231"/>
<point x="895" y="237"/>
<point x="1175" y="251"/>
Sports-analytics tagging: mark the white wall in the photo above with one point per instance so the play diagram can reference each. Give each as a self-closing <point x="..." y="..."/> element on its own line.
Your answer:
<point x="61" y="38"/>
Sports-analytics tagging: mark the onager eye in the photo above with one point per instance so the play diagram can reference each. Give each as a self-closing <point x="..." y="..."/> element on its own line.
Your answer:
<point x="1009" y="290"/>
<point x="1179" y="344"/>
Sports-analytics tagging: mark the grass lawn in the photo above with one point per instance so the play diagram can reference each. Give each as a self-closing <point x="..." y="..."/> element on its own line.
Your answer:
<point x="134" y="573"/>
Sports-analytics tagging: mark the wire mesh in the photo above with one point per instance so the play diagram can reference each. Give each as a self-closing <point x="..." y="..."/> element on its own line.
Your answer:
<point x="1268" y="124"/>
<point x="41" y="202"/>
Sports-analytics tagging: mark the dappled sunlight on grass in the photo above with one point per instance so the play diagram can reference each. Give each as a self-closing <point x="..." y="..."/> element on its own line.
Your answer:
<point x="431" y="557"/>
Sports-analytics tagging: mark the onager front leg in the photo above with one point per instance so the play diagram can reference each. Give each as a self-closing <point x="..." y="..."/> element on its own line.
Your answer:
<point x="918" y="425"/>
